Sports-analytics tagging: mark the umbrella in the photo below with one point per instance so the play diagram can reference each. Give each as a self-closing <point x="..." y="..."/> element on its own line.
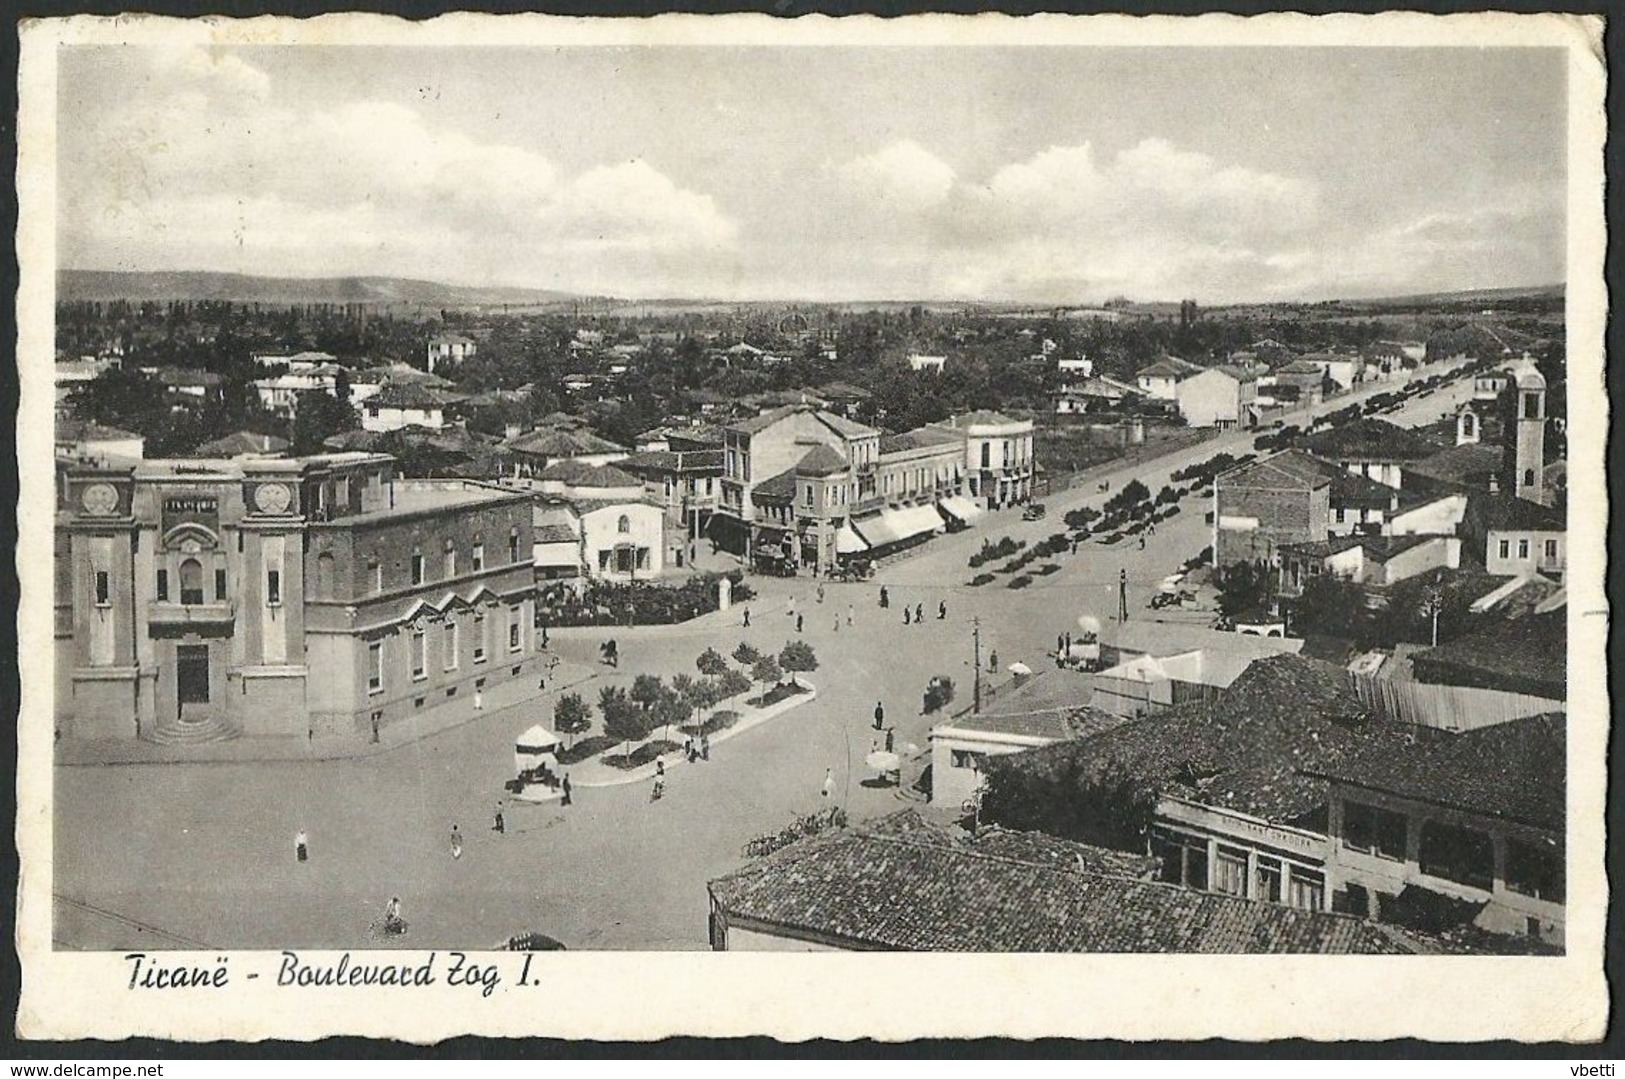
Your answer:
<point x="1089" y="624"/>
<point x="882" y="760"/>
<point x="1019" y="668"/>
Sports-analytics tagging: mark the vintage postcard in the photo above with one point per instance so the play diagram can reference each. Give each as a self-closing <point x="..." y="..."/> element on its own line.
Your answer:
<point x="601" y="528"/>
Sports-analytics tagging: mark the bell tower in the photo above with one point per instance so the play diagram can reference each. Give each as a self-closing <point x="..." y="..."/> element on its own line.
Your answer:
<point x="1526" y="437"/>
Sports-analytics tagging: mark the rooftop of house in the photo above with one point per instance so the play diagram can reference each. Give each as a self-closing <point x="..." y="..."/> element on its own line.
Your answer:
<point x="1514" y="771"/>
<point x="554" y="533"/>
<point x="1169" y="367"/>
<point x="672" y="461"/>
<point x="1377" y="548"/>
<point x="561" y="441"/>
<point x="1169" y="638"/>
<point x="1459" y="464"/>
<point x="240" y="442"/>
<point x="780" y="488"/>
<point x="1370" y="439"/>
<point x="979" y="418"/>
<point x="919" y="438"/>
<point x="422" y="496"/>
<point x="411" y="395"/>
<point x="821" y="461"/>
<point x="839" y="424"/>
<point x="573" y="473"/>
<point x="1507" y="513"/>
<point x="1304" y="366"/>
<point x="1288" y="468"/>
<point x="900" y="884"/>
<point x="1516" y="655"/>
<point x="842" y="391"/>
<point x="75" y="430"/>
<point x="1247" y="750"/>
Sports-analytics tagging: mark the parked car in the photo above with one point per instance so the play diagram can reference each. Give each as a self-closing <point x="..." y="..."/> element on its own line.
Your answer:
<point x="1034" y="512"/>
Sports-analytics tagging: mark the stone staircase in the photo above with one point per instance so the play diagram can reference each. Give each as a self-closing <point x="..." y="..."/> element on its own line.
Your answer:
<point x="177" y="731"/>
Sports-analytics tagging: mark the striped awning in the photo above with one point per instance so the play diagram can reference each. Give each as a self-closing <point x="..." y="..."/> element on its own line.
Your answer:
<point x="897" y="525"/>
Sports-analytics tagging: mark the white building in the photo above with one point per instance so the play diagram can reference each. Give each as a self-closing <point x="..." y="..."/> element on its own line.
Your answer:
<point x="451" y="348"/>
<point x="934" y="364"/>
<point x="596" y="521"/>
<point x="399" y="405"/>
<point x="998" y="456"/>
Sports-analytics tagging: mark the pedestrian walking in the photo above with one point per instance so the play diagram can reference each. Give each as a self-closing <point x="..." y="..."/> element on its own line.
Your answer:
<point x="942" y="610"/>
<point x="1068" y="650"/>
<point x="456" y="843"/>
<point x="849" y="614"/>
<point x="790" y="607"/>
<point x="301" y="846"/>
<point x="565" y="786"/>
<point x="837" y="623"/>
<point x="657" y="790"/>
<point x="394" y="924"/>
<point x="885" y="597"/>
<point x="907" y="616"/>
<point x="660" y="766"/>
<point x="498" y="825"/>
<point x="747" y="617"/>
<point x="705" y="746"/>
<point x="820" y="593"/>
<point x="829" y="782"/>
<point x="1142" y="543"/>
<point x="919" y="613"/>
<point x="798" y="623"/>
<point x="889" y="737"/>
<point x="880" y="715"/>
<point x="1060" y="645"/>
<point x="993" y="661"/>
<point x="1074" y="545"/>
<point x="689" y="751"/>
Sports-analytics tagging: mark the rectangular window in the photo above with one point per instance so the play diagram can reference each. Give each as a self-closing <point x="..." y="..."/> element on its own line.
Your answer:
<point x="987" y="454"/>
<point x="1535" y="869"/>
<point x="1523" y="548"/>
<point x="479" y="557"/>
<point x="1551" y="550"/>
<point x="419" y="659"/>
<point x="479" y="638"/>
<point x="1267" y="880"/>
<point x="1306" y="889"/>
<point x="1373" y="830"/>
<point x="1230" y="871"/>
<point x="417" y="569"/>
<point x="163" y="585"/>
<point x="273" y="587"/>
<point x="515" y="630"/>
<point x="1459" y="854"/>
<point x="451" y="560"/>
<point x="450" y="646"/>
<point x="513" y="547"/>
<point x="375" y="570"/>
<point x="104" y="590"/>
<point x="1340" y="515"/>
<point x="809" y="496"/>
<point x="1505" y="548"/>
<point x="966" y="758"/>
<point x="219" y="585"/>
<point x="375" y="667"/>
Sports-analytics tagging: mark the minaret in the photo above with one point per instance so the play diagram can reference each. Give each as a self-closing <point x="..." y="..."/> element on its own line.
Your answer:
<point x="1526" y="442"/>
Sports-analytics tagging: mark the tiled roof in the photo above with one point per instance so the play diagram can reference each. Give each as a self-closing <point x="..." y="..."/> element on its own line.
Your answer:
<point x="1350" y="489"/>
<point x="764" y="421"/>
<point x="410" y="395"/>
<point x="1289" y="468"/>
<point x="919" y="438"/>
<point x="1370" y="439"/>
<point x="74" y="430"/>
<point x="780" y="488"/>
<point x="1169" y="367"/>
<point x="1301" y="367"/>
<point x="558" y="441"/>
<point x="821" y="461"/>
<point x="173" y="376"/>
<point x="1517" y="655"/>
<point x="902" y="886"/>
<point x="580" y="474"/>
<point x="672" y="461"/>
<point x="1247" y="750"/>
<point x="239" y="442"/>
<point x="1515" y="771"/>
<point x="1507" y="513"/>
<point x="1377" y="548"/>
<point x="1458" y="464"/>
<point x="554" y="534"/>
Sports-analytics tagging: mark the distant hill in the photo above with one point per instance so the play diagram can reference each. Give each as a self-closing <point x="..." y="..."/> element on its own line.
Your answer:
<point x="1470" y="296"/>
<point x="140" y="286"/>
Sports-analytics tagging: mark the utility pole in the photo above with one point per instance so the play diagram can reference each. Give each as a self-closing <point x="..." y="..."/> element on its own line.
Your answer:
<point x="976" y="666"/>
<point x="1122" y="596"/>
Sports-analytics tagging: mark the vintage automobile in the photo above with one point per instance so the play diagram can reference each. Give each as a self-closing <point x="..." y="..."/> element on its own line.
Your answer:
<point x="1034" y="512"/>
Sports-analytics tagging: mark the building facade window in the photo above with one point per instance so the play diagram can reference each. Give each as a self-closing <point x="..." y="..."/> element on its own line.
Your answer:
<point x="1230" y="871"/>
<point x="273" y="588"/>
<point x="1374" y="830"/>
<point x="513" y="546"/>
<point x="515" y="630"/>
<point x="163" y="585"/>
<point x="417" y="568"/>
<point x="375" y="573"/>
<point x="451" y="558"/>
<point x="479" y="637"/>
<point x="450" y="643"/>
<point x="624" y="524"/>
<point x="420" y="666"/>
<point x="987" y="455"/>
<point x="1535" y="870"/>
<point x="1458" y="854"/>
<point x="1523" y="548"/>
<point x="1528" y="477"/>
<point x="191" y="581"/>
<point x="1551" y="549"/>
<point x="1504" y="548"/>
<point x="478" y="557"/>
<point x="219" y="586"/>
<point x="375" y="667"/>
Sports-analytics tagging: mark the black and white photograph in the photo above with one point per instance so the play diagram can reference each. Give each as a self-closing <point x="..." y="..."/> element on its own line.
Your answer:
<point x="538" y="487"/>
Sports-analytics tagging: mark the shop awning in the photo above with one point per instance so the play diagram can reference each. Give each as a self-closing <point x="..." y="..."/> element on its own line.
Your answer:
<point x="849" y="542"/>
<point x="535" y="741"/>
<point x="916" y="520"/>
<point x="961" y="509"/>
<point x="876" y="531"/>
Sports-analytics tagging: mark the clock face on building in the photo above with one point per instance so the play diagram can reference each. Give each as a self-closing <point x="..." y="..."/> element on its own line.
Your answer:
<point x="99" y="499"/>
<point x="272" y="498"/>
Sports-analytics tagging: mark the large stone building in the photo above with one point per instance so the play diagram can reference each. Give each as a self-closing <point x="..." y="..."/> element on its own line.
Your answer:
<point x="998" y="457"/>
<point x="316" y="601"/>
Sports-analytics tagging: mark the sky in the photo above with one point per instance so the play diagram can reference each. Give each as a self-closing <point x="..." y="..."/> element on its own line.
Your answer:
<point x="1023" y="174"/>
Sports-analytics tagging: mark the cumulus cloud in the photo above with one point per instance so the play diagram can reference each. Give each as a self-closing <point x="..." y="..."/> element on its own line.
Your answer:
<point x="222" y="176"/>
<point x="902" y="177"/>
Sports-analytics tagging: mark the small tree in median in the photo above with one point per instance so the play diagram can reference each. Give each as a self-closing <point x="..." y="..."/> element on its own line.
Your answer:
<point x="766" y="670"/>
<point x="646" y="691"/>
<point x="797" y="658"/>
<point x="731" y="683"/>
<point x="711" y="663"/>
<point x="571" y="716"/>
<point x="624" y="719"/>
<point x="745" y="655"/>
